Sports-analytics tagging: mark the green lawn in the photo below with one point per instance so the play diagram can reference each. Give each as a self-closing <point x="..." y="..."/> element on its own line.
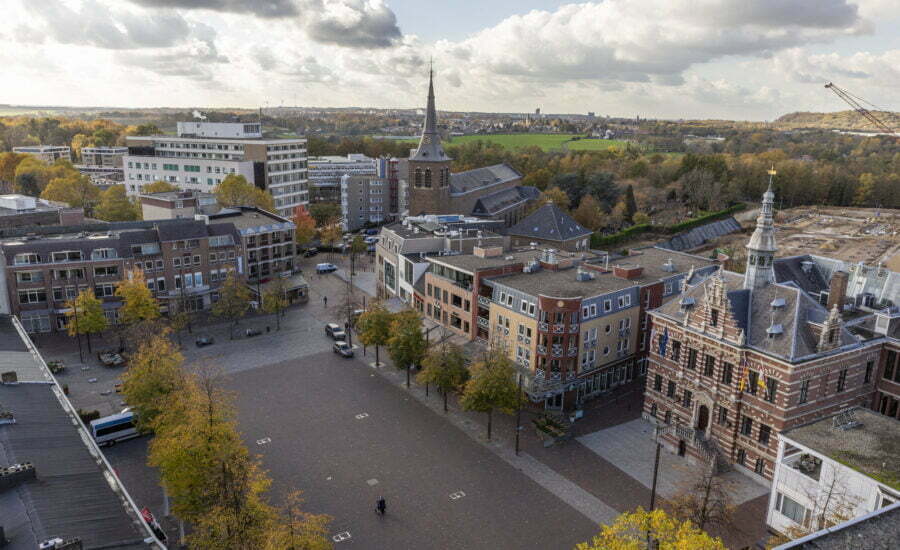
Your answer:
<point x="595" y="144"/>
<point x="547" y="142"/>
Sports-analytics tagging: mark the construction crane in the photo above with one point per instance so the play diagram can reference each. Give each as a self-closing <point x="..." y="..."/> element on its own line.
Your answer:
<point x="854" y="102"/>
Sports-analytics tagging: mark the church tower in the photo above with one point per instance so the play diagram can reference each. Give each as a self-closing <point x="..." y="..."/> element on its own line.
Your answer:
<point x="429" y="167"/>
<point x="761" y="248"/>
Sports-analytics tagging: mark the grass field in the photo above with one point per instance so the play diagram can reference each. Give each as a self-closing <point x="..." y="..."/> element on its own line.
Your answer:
<point x="547" y="142"/>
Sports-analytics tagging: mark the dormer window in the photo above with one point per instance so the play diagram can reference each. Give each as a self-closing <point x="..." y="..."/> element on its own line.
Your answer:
<point x="774" y="330"/>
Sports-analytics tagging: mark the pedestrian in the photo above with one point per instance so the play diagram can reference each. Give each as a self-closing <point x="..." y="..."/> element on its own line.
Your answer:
<point x="380" y="506"/>
<point x="325" y="300"/>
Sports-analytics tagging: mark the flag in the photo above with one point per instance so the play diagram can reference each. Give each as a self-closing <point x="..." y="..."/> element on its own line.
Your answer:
<point x="663" y="342"/>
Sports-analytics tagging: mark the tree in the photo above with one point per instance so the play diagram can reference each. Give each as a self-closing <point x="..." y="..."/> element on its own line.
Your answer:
<point x="704" y="500"/>
<point x="235" y="190"/>
<point x="619" y="214"/>
<point x="375" y="327"/>
<point x="634" y="530"/>
<point x="407" y="345"/>
<point x="274" y="299"/>
<point x="357" y="247"/>
<point x="234" y="301"/>
<point x="557" y="196"/>
<point x="74" y="189"/>
<point x="330" y="236"/>
<point x="8" y="163"/>
<point x="154" y="374"/>
<point x="295" y="529"/>
<point x="85" y="315"/>
<point x="325" y="213"/>
<point x="445" y="367"/>
<point x="159" y="186"/>
<point x="589" y="214"/>
<point x="139" y="304"/>
<point x="491" y="387"/>
<point x="305" y="230"/>
<point x="630" y="203"/>
<point x="30" y="176"/>
<point x="640" y="218"/>
<point x="115" y="206"/>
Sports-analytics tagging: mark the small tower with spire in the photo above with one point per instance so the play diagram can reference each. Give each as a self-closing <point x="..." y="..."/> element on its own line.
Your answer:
<point x="429" y="166"/>
<point x="761" y="248"/>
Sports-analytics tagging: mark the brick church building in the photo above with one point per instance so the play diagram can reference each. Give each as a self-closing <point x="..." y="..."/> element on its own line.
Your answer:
<point x="739" y="358"/>
<point x="493" y="192"/>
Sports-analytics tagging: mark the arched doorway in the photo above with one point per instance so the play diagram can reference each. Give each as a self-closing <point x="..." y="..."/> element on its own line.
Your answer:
<point x="702" y="418"/>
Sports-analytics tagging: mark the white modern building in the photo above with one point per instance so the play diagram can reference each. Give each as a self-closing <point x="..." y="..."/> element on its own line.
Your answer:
<point x="205" y="153"/>
<point x="325" y="174"/>
<point x="47" y="153"/>
<point x="107" y="157"/>
<point x="834" y="469"/>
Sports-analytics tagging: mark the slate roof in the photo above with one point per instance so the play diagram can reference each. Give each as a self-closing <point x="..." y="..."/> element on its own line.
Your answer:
<point x="878" y="281"/>
<point x="549" y="223"/>
<point x="497" y="202"/>
<point x="479" y="178"/>
<point x="700" y="235"/>
<point x="754" y="313"/>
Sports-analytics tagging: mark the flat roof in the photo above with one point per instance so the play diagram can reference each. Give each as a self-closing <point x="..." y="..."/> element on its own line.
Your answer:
<point x="472" y="263"/>
<point x="246" y="218"/>
<point x="267" y="141"/>
<point x="72" y="496"/>
<point x="872" y="447"/>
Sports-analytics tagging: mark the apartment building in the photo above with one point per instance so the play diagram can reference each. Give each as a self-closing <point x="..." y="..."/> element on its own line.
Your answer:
<point x="172" y="205"/>
<point x="46" y="153"/>
<point x="326" y="172"/>
<point x="184" y="263"/>
<point x="742" y="358"/>
<point x="103" y="157"/>
<point x="834" y="469"/>
<point x="572" y="322"/>
<point x="372" y="199"/>
<point x="204" y="153"/>
<point x="266" y="238"/>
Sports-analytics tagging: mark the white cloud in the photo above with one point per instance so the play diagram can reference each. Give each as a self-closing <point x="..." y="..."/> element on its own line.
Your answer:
<point x="881" y="70"/>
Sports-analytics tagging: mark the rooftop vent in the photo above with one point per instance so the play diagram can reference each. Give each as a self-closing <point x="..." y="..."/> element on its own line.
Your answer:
<point x="845" y="420"/>
<point x="509" y="258"/>
<point x="687" y="302"/>
<point x="668" y="266"/>
<point x="583" y="275"/>
<point x="778" y="303"/>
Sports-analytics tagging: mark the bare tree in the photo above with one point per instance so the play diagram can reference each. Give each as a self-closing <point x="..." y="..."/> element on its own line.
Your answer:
<point x="704" y="500"/>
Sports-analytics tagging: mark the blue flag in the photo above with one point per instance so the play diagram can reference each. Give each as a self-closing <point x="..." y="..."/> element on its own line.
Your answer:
<point x="663" y="341"/>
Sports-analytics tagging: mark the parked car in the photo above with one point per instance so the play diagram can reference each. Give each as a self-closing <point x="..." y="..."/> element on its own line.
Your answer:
<point x="203" y="341"/>
<point x="370" y="240"/>
<point x="310" y="252"/>
<point x="251" y="332"/>
<point x="335" y="331"/>
<point x="110" y="358"/>
<point x="354" y="317"/>
<point x="342" y="348"/>
<point x="325" y="268"/>
<point x="371" y="231"/>
<point x="57" y="366"/>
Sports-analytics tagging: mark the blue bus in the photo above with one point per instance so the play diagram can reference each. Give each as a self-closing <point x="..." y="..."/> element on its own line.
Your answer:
<point x="118" y="427"/>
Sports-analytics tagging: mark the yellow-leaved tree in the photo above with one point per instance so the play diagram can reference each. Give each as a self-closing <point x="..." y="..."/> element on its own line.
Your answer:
<point x="633" y="531"/>
<point x="235" y="190"/>
<point x="139" y="303"/>
<point x="85" y="315"/>
<point x="153" y="375"/>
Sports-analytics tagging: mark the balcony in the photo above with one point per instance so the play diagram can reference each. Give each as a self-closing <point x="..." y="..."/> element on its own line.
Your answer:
<point x="483" y="322"/>
<point x="556" y="351"/>
<point x="573" y="352"/>
<point x="542" y="349"/>
<point x="543" y="327"/>
<point x="573" y="328"/>
<point x="590" y="345"/>
<point x="559" y="328"/>
<point x="484" y="301"/>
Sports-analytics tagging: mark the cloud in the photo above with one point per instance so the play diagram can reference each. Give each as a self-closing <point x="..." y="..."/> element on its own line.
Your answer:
<point x="647" y="40"/>
<point x="801" y="66"/>
<point x="346" y="23"/>
<point x="298" y="68"/>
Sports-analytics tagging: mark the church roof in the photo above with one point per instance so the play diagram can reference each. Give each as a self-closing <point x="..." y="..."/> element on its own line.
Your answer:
<point x="550" y="223"/>
<point x="479" y="178"/>
<point x="498" y="201"/>
<point x="430" y="148"/>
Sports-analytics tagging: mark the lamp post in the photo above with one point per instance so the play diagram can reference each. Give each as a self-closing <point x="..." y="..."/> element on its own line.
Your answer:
<point x="519" y="414"/>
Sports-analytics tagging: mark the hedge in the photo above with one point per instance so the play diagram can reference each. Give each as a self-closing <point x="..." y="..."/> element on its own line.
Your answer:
<point x="598" y="240"/>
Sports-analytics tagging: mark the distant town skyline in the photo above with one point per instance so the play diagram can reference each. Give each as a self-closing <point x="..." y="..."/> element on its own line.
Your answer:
<point x="736" y="59"/>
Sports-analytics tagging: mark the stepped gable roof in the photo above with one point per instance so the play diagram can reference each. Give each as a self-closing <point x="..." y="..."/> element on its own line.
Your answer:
<point x="799" y="316"/>
<point x="550" y="223"/>
<point x="497" y="202"/>
<point x="430" y="148"/>
<point x="479" y="178"/>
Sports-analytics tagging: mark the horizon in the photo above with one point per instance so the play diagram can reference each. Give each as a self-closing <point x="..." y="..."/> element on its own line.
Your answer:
<point x="730" y="60"/>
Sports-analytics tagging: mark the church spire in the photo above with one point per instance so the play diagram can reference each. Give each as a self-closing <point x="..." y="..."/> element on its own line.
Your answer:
<point x="430" y="148"/>
<point x="761" y="248"/>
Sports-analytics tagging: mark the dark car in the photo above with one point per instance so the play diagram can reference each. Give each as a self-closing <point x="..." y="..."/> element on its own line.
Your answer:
<point x="342" y="348"/>
<point x="310" y="252"/>
<point x="203" y="341"/>
<point x="251" y="332"/>
<point x="372" y="231"/>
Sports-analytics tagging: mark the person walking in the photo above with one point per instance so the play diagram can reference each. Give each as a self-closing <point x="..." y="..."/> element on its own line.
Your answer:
<point x="380" y="506"/>
<point x="325" y="300"/>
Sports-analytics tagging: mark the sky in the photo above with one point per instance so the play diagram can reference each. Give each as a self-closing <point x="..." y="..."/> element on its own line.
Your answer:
<point x="734" y="59"/>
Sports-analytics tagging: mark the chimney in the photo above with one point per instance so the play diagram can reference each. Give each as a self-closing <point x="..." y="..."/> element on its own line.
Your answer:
<point x="487" y="252"/>
<point x="628" y="271"/>
<point x="837" y="290"/>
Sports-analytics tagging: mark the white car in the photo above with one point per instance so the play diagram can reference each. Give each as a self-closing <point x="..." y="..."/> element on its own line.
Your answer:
<point x="325" y="268"/>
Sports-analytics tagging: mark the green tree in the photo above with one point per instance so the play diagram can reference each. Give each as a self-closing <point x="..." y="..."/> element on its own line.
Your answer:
<point x="85" y="315"/>
<point x="445" y="367"/>
<point x="357" y="246"/>
<point x="74" y="189"/>
<point x="325" y="213"/>
<point x="491" y="387"/>
<point x="295" y="529"/>
<point x="375" y="327"/>
<point x="139" y="304"/>
<point x="115" y="206"/>
<point x="636" y="530"/>
<point x="588" y="213"/>
<point x="305" y="230"/>
<point x="9" y="161"/>
<point x="640" y="218"/>
<point x="558" y="197"/>
<point x="30" y="176"/>
<point x="235" y="190"/>
<point x="234" y="301"/>
<point x="274" y="299"/>
<point x="406" y="344"/>
<point x="630" y="203"/>
<point x="159" y="186"/>
<point x="154" y="374"/>
<point x="330" y="236"/>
